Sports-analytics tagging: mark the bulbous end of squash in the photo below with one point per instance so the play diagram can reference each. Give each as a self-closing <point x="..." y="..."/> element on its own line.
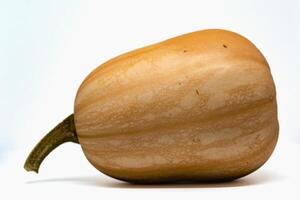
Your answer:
<point x="63" y="132"/>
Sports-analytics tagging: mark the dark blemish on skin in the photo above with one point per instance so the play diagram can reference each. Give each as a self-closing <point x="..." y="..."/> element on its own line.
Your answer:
<point x="196" y="140"/>
<point x="197" y="92"/>
<point x="179" y="83"/>
<point x="224" y="45"/>
<point x="184" y="51"/>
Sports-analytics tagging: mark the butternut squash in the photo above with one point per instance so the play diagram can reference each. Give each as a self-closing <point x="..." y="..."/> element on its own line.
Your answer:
<point x="198" y="107"/>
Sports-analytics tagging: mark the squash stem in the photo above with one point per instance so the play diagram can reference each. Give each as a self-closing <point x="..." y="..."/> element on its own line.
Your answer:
<point x="63" y="132"/>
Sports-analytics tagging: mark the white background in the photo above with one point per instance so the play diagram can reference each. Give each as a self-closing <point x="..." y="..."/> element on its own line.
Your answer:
<point x="48" y="47"/>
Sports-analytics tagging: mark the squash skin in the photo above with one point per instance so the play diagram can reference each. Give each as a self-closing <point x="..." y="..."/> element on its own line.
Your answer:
<point x="198" y="107"/>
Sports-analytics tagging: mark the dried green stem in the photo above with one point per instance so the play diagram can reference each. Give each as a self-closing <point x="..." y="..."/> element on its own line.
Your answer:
<point x="63" y="132"/>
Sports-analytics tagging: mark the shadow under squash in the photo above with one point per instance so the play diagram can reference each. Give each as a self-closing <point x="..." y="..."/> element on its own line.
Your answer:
<point x="262" y="177"/>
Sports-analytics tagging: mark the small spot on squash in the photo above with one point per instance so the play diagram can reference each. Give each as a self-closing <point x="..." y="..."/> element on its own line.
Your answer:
<point x="184" y="51"/>
<point x="197" y="92"/>
<point x="196" y="140"/>
<point x="225" y="46"/>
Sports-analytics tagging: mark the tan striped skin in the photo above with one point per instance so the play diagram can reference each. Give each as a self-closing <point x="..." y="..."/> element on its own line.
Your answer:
<point x="201" y="106"/>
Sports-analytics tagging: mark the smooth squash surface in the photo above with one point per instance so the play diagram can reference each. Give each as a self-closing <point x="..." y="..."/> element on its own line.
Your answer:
<point x="201" y="106"/>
